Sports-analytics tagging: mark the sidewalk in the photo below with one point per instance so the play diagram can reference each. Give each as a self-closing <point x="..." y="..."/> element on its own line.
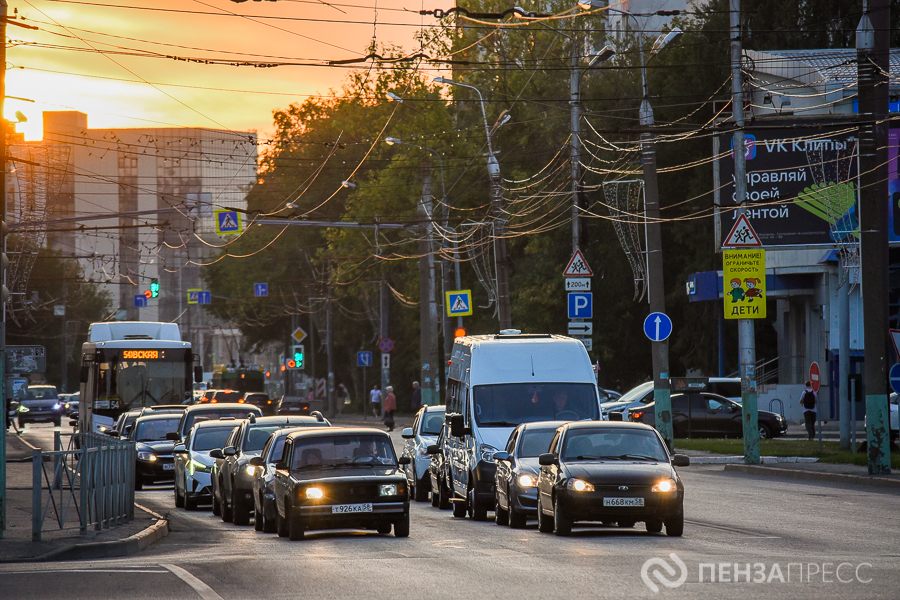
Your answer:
<point x="67" y="544"/>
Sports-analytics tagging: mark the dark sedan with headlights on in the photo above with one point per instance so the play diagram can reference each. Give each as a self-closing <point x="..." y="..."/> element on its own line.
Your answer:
<point x="515" y="491"/>
<point x="340" y="478"/>
<point x="155" y="460"/>
<point x="609" y="471"/>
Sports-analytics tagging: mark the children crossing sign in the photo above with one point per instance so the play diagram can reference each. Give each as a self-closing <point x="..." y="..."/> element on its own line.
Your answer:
<point x="459" y="303"/>
<point x="228" y="222"/>
<point x="744" y="277"/>
<point x="577" y="266"/>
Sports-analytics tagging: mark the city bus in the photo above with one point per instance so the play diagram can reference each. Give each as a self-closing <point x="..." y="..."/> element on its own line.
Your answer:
<point x="133" y="364"/>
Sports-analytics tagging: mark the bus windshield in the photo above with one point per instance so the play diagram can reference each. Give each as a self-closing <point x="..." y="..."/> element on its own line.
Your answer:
<point x="125" y="383"/>
<point x="509" y="404"/>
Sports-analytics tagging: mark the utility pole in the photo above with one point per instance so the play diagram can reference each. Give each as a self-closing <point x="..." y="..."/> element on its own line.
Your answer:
<point x="329" y="344"/>
<point x="384" y="327"/>
<point x="575" y="146"/>
<point x="312" y="348"/>
<point x="428" y="317"/>
<point x="64" y="356"/>
<point x="3" y="16"/>
<point x="872" y="46"/>
<point x="746" y="339"/>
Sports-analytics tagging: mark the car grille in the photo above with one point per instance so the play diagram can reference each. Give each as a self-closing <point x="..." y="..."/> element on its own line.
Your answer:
<point x="614" y="487"/>
<point x="351" y="492"/>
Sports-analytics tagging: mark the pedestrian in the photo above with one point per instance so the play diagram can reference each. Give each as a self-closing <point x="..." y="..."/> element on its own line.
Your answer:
<point x="375" y="399"/>
<point x="342" y="397"/>
<point x="390" y="405"/>
<point x="808" y="400"/>
<point x="416" y="401"/>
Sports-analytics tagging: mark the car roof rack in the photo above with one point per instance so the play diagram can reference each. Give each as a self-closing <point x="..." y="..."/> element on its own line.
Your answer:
<point x="319" y="416"/>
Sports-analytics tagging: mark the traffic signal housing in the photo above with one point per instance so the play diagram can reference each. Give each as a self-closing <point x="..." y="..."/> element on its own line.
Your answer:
<point x="154" y="288"/>
<point x="297" y="357"/>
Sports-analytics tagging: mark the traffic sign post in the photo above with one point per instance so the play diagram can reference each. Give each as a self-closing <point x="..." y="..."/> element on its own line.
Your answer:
<point x="228" y="222"/>
<point x="364" y="359"/>
<point x="260" y="290"/>
<point x="298" y="335"/>
<point x="581" y="305"/>
<point x="657" y="326"/>
<point x="140" y="301"/>
<point x="386" y="345"/>
<point x="385" y="360"/>
<point x="458" y="303"/>
<point x="577" y="328"/>
<point x="744" y="281"/>
<point x="577" y="266"/>
<point x="204" y="297"/>
<point x="578" y="284"/>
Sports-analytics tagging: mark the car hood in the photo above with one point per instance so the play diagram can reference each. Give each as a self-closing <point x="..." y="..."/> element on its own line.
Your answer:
<point x="39" y="403"/>
<point x="347" y="473"/>
<point x="528" y="465"/>
<point x="495" y="436"/>
<point x="158" y="446"/>
<point x="202" y="457"/>
<point x="245" y="456"/>
<point x="619" y="472"/>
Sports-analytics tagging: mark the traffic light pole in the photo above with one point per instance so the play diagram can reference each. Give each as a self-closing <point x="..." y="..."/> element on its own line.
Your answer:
<point x="3" y="404"/>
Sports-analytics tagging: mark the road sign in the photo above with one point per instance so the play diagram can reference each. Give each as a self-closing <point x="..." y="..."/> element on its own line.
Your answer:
<point x="581" y="305"/>
<point x="140" y="301"/>
<point x="386" y="345"/>
<point x="742" y="235"/>
<point x="193" y="296"/>
<point x="588" y="343"/>
<point x="458" y="303"/>
<point x="657" y="326"/>
<point x="895" y="337"/>
<point x="814" y="376"/>
<point x="744" y="281"/>
<point x="228" y="222"/>
<point x="299" y="335"/>
<point x="260" y="290"/>
<point x="580" y="328"/>
<point x="364" y="359"/>
<point x="26" y="359"/>
<point x="578" y="284"/>
<point x="577" y="266"/>
<point x="894" y="376"/>
<point x="385" y="360"/>
<point x="204" y="297"/>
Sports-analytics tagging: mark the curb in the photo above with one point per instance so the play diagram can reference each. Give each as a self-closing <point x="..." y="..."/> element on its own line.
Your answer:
<point x="872" y="481"/>
<point x="739" y="460"/>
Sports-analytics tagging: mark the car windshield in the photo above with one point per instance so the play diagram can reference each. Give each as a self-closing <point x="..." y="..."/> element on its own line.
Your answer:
<point x="210" y="438"/>
<point x="256" y="399"/>
<point x="342" y="450"/>
<point x="636" y="393"/>
<point x="509" y="404"/>
<point x="154" y="430"/>
<point x="211" y="415"/>
<point x="258" y="435"/>
<point x="431" y="423"/>
<point x="535" y="442"/>
<point x="229" y="396"/>
<point x="613" y="444"/>
<point x="41" y="393"/>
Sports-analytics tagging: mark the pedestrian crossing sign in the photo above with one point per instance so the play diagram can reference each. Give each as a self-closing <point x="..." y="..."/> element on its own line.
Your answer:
<point x="459" y="303"/>
<point x="228" y="222"/>
<point x="193" y="296"/>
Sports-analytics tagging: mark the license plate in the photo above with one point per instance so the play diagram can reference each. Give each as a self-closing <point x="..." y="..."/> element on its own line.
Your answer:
<point x="351" y="508"/>
<point x="623" y="502"/>
<point x="168" y="467"/>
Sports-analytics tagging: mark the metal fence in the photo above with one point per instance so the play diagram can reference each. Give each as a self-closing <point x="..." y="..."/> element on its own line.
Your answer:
<point x="89" y="484"/>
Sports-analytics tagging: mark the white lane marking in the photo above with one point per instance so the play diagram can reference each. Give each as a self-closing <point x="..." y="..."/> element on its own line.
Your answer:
<point x="51" y="570"/>
<point x="205" y="592"/>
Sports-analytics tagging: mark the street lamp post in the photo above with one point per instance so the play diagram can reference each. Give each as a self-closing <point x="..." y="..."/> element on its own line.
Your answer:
<point x="503" y="303"/>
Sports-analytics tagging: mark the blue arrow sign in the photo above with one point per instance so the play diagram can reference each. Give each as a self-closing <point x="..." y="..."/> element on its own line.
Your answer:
<point x="204" y="297"/>
<point x="260" y="290"/>
<point x="657" y="326"/>
<point x="581" y="305"/>
<point x="894" y="376"/>
<point x="364" y="359"/>
<point x="140" y="301"/>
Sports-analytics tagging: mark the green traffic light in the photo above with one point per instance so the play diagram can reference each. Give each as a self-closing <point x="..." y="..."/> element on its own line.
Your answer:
<point x="154" y="288"/>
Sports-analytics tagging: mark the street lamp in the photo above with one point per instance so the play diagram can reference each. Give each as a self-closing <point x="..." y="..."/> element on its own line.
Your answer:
<point x="503" y="305"/>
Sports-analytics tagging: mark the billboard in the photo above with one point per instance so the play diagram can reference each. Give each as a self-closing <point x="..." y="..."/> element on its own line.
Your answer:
<point x="801" y="185"/>
<point x="893" y="187"/>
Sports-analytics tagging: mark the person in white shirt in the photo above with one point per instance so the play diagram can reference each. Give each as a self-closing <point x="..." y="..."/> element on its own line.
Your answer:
<point x="375" y="399"/>
<point x="809" y="400"/>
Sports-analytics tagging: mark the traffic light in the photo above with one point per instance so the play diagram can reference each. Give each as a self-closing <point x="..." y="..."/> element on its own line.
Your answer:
<point x="297" y="356"/>
<point x="4" y="261"/>
<point x="154" y="288"/>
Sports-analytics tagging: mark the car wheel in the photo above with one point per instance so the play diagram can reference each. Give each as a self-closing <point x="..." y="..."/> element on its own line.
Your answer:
<point x="545" y="525"/>
<point x="269" y="525"/>
<point x="217" y="507"/>
<point x="764" y="432"/>
<point x="383" y="528"/>
<point x="444" y="496"/>
<point x="240" y="511"/>
<point x="401" y="527"/>
<point x="501" y="517"/>
<point x="562" y="524"/>
<point x="138" y="482"/>
<point x="257" y="518"/>
<point x="190" y="503"/>
<point x="281" y="524"/>
<point x="517" y="520"/>
<point x="654" y="525"/>
<point x="460" y="508"/>
<point x="226" y="510"/>
<point x="295" y="524"/>
<point x="478" y="509"/>
<point x="420" y="491"/>
<point x="436" y="497"/>
<point x="179" y="499"/>
<point x="675" y="525"/>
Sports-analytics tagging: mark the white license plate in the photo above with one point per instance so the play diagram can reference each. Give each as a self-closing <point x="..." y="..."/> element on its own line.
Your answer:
<point x="623" y="502"/>
<point x="168" y="467"/>
<point x="351" y="508"/>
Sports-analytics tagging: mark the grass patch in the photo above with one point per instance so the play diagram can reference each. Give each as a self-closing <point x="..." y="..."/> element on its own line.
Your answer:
<point x="831" y="451"/>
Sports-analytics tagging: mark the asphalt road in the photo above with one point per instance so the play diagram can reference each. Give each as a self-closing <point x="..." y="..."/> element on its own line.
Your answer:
<point x="761" y="537"/>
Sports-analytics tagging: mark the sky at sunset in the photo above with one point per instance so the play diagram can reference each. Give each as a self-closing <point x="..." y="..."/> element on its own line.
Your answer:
<point x="100" y="58"/>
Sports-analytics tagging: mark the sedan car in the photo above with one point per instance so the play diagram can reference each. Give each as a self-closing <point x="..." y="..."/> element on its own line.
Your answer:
<point x="709" y="415"/>
<point x="423" y="433"/>
<point x="339" y="478"/>
<point x="193" y="462"/>
<point x="40" y="405"/>
<point x="610" y="471"/>
<point x="155" y="461"/>
<point x="515" y="490"/>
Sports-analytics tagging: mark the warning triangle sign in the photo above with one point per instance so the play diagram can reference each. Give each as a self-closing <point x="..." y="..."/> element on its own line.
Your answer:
<point x="459" y="305"/>
<point x="742" y="235"/>
<point x="577" y="266"/>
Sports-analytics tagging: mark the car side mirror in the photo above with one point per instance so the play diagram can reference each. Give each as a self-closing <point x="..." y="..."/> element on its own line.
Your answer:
<point x="433" y="449"/>
<point x="403" y="460"/>
<point x="458" y="427"/>
<point x="179" y="449"/>
<point x="229" y="451"/>
<point x="502" y="455"/>
<point x="681" y="460"/>
<point x="280" y="465"/>
<point x="614" y="416"/>
<point x="73" y="423"/>
<point x="217" y="453"/>
<point x="83" y="374"/>
<point x="547" y="459"/>
<point x="257" y="461"/>
<point x="407" y="433"/>
<point x="198" y="373"/>
<point x="172" y="435"/>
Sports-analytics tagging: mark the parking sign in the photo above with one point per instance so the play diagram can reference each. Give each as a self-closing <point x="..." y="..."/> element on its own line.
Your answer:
<point x="581" y="305"/>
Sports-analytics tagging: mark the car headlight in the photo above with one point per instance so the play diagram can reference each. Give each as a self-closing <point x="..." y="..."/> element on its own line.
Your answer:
<point x="23" y="409"/>
<point x="579" y="485"/>
<point x="526" y="481"/>
<point x="146" y="456"/>
<point x="314" y="493"/>
<point x="57" y="406"/>
<point x="250" y="470"/>
<point x="486" y="452"/>
<point x="666" y="485"/>
<point x="197" y="466"/>
<point x="387" y="489"/>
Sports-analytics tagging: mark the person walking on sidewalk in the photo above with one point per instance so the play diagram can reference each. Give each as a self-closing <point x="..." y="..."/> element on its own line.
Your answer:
<point x="390" y="405"/>
<point x="342" y="398"/>
<point x="808" y="400"/>
<point x="375" y="399"/>
<point x="416" y="401"/>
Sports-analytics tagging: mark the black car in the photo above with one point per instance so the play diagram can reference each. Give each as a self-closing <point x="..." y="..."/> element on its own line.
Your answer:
<point x="610" y="471"/>
<point x="295" y="405"/>
<point x="40" y="405"/>
<point x="267" y="405"/>
<point x="437" y="471"/>
<point x="340" y="478"/>
<point x="705" y="414"/>
<point x="515" y="491"/>
<point x="155" y="462"/>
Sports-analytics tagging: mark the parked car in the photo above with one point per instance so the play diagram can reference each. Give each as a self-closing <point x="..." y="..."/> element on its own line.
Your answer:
<point x="709" y="415"/>
<point x="155" y="462"/>
<point x="232" y="473"/>
<point x="198" y="412"/>
<point x="437" y="471"/>
<point x="70" y="402"/>
<point x="515" y="495"/>
<point x="423" y="433"/>
<point x="610" y="472"/>
<point x="264" y="475"/>
<point x="261" y="399"/>
<point x="338" y="478"/>
<point x="193" y="462"/>
<point x="730" y="387"/>
<point x="40" y="405"/>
